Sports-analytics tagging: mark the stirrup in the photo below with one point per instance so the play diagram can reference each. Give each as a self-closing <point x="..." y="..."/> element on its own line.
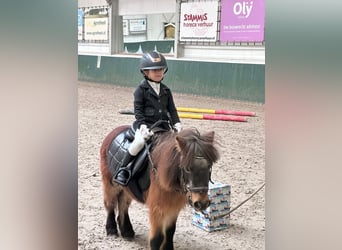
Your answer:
<point x="114" y="179"/>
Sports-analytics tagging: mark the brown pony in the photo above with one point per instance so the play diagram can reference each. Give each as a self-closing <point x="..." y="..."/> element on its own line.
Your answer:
<point x="180" y="170"/>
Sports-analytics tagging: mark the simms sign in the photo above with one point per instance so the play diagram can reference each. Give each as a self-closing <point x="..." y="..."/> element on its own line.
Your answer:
<point x="198" y="21"/>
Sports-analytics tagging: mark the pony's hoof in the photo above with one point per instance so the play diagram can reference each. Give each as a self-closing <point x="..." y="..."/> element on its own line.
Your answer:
<point x="112" y="231"/>
<point x="128" y="235"/>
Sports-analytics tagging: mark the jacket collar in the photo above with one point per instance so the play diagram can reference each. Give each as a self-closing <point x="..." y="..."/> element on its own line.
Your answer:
<point x="163" y="87"/>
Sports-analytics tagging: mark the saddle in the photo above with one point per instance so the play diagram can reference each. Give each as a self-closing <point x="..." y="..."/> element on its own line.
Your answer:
<point x="140" y="178"/>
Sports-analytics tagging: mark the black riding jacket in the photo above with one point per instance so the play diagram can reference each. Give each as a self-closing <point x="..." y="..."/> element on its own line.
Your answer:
<point x="149" y="107"/>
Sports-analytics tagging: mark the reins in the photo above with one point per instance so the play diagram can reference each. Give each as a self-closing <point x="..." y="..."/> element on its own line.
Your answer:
<point x="155" y="125"/>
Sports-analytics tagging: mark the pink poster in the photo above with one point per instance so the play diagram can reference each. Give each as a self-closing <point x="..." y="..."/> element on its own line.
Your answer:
<point x="242" y="21"/>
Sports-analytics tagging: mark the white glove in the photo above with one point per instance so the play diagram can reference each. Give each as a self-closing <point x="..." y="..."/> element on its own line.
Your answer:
<point x="137" y="144"/>
<point x="145" y="132"/>
<point x="178" y="126"/>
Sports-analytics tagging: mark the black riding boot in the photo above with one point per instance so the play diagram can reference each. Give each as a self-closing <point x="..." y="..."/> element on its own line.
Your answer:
<point x="125" y="171"/>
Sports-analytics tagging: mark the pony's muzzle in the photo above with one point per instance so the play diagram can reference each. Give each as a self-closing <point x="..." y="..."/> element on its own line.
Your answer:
<point x="200" y="200"/>
<point x="201" y="205"/>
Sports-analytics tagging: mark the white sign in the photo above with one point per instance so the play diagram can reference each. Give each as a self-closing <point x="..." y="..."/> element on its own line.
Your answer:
<point x="137" y="25"/>
<point x="96" y="28"/>
<point x="198" y="21"/>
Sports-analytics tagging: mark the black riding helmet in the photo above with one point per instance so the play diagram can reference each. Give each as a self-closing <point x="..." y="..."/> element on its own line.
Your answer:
<point x="152" y="60"/>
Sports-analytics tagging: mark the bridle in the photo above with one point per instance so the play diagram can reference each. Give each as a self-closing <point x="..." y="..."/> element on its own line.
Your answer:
<point x="186" y="188"/>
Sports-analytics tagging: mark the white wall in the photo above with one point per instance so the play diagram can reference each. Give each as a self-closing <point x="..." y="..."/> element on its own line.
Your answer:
<point x="137" y="7"/>
<point x="91" y="3"/>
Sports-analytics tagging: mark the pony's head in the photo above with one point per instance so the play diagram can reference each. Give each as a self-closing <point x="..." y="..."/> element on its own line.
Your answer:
<point x="198" y="154"/>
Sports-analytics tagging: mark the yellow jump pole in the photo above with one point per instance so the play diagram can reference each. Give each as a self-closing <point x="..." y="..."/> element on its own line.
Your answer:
<point x="215" y="111"/>
<point x="198" y="116"/>
<point x="212" y="117"/>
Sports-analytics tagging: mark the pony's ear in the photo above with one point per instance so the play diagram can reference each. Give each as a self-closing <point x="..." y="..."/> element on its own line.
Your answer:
<point x="209" y="136"/>
<point x="181" y="142"/>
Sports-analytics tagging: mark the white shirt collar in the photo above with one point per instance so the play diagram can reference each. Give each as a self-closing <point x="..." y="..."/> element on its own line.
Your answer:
<point x="155" y="86"/>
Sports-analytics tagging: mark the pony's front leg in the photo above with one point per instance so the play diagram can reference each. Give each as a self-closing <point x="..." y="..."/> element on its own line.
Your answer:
<point x="156" y="228"/>
<point x="161" y="233"/>
<point x="156" y="238"/>
<point x="170" y="231"/>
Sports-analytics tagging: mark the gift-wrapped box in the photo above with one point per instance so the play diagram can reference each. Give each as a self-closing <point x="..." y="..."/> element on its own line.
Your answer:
<point x="213" y="218"/>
